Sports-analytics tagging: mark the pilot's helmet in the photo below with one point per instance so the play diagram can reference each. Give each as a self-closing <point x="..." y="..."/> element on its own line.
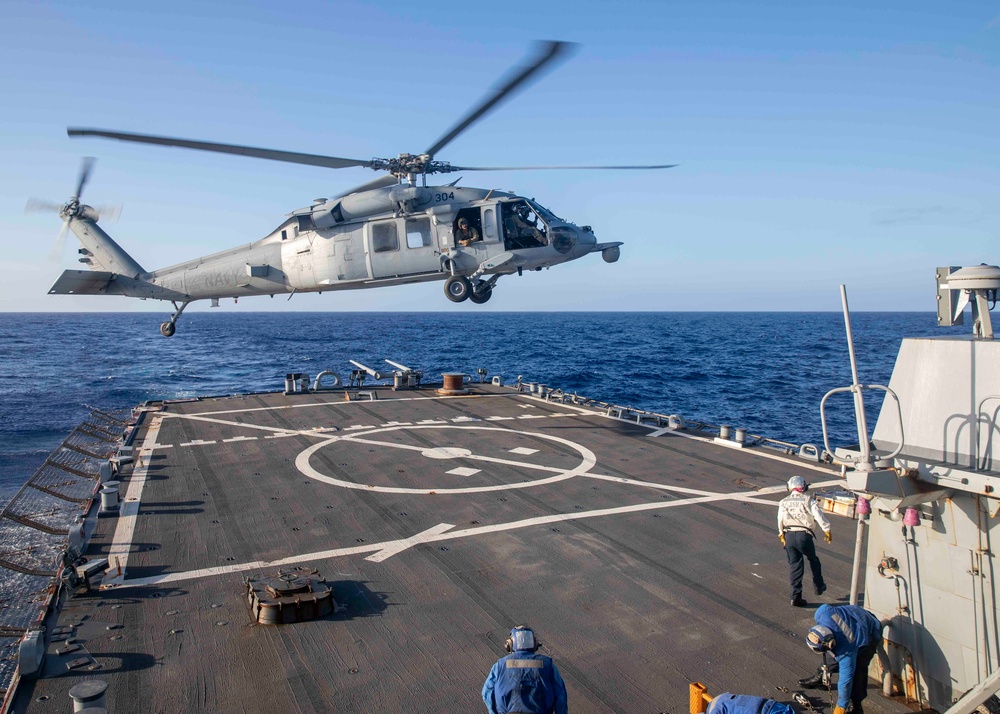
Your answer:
<point x="462" y="223"/>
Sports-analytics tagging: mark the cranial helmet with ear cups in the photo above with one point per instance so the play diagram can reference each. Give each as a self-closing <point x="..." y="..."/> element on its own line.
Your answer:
<point x="522" y="638"/>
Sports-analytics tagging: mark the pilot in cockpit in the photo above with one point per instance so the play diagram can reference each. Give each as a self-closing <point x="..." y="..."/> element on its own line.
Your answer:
<point x="526" y="225"/>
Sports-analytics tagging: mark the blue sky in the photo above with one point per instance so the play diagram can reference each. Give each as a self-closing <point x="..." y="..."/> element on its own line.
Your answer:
<point x="818" y="145"/>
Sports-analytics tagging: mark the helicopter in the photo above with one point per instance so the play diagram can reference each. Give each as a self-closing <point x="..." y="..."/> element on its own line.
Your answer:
<point x="393" y="230"/>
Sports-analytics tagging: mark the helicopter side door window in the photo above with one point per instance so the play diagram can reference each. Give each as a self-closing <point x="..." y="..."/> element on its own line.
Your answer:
<point x="489" y="225"/>
<point x="418" y="233"/>
<point x="384" y="238"/>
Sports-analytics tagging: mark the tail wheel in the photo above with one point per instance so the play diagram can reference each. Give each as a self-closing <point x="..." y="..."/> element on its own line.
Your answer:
<point x="457" y="288"/>
<point x="481" y="295"/>
<point x="167" y="329"/>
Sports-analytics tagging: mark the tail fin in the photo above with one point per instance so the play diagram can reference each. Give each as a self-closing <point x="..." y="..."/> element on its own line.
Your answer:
<point x="102" y="252"/>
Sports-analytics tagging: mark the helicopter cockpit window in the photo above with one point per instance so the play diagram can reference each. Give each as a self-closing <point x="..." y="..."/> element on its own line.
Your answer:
<point x="384" y="238"/>
<point x="522" y="226"/>
<point x="418" y="233"/>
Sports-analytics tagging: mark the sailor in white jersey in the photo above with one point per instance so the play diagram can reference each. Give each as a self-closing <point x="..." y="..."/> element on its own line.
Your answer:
<point x="798" y="517"/>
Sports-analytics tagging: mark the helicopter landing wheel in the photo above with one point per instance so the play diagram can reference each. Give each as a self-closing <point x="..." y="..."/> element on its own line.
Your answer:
<point x="167" y="329"/>
<point x="481" y="293"/>
<point x="457" y="288"/>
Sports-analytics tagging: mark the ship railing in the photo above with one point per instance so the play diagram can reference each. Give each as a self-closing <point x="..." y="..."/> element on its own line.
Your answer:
<point x="644" y="417"/>
<point x="37" y="527"/>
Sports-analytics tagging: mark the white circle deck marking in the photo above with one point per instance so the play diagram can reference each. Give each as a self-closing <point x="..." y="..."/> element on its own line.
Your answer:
<point x="588" y="460"/>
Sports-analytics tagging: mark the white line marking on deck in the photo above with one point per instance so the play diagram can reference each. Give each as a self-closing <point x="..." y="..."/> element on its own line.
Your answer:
<point x="432" y="421"/>
<point x="397" y="423"/>
<point x="463" y="471"/>
<point x="394" y="547"/>
<point x="465" y="418"/>
<point x="240" y="438"/>
<point x="662" y="431"/>
<point x="499" y="418"/>
<point x="533" y="416"/>
<point x="740" y="496"/>
<point x="523" y="451"/>
<point x="121" y="543"/>
<point x="341" y="402"/>
<point x="196" y="442"/>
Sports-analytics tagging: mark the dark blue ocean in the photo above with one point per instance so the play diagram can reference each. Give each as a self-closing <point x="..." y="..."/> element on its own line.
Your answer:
<point x="764" y="371"/>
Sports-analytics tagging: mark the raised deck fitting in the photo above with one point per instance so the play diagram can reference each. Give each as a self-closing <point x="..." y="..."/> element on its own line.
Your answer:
<point x="293" y="595"/>
<point x="453" y="384"/>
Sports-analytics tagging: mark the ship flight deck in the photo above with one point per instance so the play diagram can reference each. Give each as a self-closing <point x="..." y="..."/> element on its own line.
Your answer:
<point x="645" y="558"/>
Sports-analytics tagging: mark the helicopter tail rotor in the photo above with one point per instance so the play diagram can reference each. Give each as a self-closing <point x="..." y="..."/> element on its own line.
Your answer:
<point x="73" y="208"/>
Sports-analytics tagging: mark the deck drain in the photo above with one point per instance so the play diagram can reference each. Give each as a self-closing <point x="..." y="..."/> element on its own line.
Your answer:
<point x="555" y="530"/>
<point x="353" y="670"/>
<point x="173" y="612"/>
<point x="475" y="523"/>
<point x="156" y="594"/>
<point x="360" y="540"/>
<point x="230" y="558"/>
<point x="295" y="529"/>
<point x="656" y="515"/>
<point x="216" y="521"/>
<point x="216" y="604"/>
<point x="443" y="547"/>
<point x="116" y="607"/>
<point x="43" y="698"/>
<point x="116" y="637"/>
<point x="222" y="623"/>
<point x="403" y="513"/>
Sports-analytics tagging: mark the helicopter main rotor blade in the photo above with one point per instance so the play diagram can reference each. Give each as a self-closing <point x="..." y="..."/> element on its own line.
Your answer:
<point x="330" y="162"/>
<point x="546" y="168"/>
<point x="547" y="52"/>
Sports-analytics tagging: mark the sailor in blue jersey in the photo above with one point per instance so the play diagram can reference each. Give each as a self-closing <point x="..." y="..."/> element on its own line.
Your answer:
<point x="852" y="634"/>
<point x="524" y="681"/>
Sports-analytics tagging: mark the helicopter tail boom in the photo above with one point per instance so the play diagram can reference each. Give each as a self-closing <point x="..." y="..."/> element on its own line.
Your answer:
<point x="101" y="251"/>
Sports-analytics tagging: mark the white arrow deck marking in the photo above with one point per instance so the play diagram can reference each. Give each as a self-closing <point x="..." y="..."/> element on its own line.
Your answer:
<point x="398" y="546"/>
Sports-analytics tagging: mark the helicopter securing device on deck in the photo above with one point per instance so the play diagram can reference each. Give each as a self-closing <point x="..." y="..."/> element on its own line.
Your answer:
<point x="389" y="231"/>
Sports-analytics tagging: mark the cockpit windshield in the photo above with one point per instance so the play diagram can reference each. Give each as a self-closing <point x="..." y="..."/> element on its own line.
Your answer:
<point x="544" y="212"/>
<point x="523" y="225"/>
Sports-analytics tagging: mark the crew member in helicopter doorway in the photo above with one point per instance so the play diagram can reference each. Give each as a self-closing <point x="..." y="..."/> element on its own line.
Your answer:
<point x="798" y="515"/>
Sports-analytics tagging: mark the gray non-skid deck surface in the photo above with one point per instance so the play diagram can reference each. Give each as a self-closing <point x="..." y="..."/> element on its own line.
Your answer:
<point x="633" y="605"/>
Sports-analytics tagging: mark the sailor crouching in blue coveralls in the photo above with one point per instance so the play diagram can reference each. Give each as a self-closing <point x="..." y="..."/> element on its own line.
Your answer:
<point x="853" y="635"/>
<point x="524" y="681"/>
